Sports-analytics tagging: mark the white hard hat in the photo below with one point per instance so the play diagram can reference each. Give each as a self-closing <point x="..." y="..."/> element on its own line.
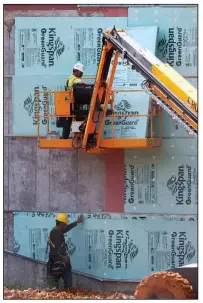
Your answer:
<point x="79" y="66"/>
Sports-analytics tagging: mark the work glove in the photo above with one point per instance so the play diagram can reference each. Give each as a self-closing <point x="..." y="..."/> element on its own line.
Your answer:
<point x="80" y="219"/>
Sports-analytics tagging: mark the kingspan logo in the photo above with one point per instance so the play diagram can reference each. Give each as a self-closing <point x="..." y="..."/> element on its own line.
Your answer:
<point x="30" y="105"/>
<point x="16" y="246"/>
<point x="71" y="247"/>
<point x="129" y="184"/>
<point x="132" y="250"/>
<point x="171" y="48"/>
<point x="180" y="187"/>
<point x="181" y="249"/>
<point x="124" y="108"/>
<point x="99" y="43"/>
<point x="51" y="47"/>
<point x="189" y="251"/>
<point x="120" y="249"/>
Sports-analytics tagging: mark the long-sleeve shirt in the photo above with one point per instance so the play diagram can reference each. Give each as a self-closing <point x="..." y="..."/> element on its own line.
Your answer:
<point x="57" y="238"/>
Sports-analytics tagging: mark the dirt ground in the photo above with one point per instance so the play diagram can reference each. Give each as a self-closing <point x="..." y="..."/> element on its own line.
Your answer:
<point x="74" y="293"/>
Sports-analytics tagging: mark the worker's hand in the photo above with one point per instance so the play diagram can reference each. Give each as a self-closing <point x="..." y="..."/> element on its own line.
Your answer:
<point x="80" y="219"/>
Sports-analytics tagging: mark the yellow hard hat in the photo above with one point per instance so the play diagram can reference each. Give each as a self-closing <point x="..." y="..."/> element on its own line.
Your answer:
<point x="63" y="218"/>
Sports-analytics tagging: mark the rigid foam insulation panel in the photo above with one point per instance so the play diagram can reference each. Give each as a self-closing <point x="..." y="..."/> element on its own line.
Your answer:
<point x="24" y="101"/>
<point x="163" y="180"/>
<point x="51" y="46"/>
<point x="114" y="246"/>
<point x="177" y="37"/>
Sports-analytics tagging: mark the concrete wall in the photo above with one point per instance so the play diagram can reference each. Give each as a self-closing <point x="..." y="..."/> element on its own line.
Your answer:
<point x="25" y="272"/>
<point x="22" y="272"/>
<point x="8" y="231"/>
<point x="51" y="180"/>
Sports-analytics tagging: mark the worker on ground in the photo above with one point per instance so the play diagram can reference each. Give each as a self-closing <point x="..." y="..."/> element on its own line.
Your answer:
<point x="59" y="265"/>
<point x="78" y="70"/>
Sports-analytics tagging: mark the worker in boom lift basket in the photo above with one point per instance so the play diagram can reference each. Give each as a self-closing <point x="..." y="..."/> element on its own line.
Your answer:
<point x="59" y="265"/>
<point x="78" y="70"/>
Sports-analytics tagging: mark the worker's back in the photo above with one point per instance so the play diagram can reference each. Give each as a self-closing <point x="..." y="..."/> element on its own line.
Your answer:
<point x="57" y="243"/>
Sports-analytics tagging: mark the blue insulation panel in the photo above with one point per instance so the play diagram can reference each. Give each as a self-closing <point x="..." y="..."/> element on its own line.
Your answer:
<point x="177" y="37"/>
<point x="114" y="246"/>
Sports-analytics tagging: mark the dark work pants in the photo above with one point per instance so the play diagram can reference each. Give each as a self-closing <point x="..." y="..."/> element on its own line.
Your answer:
<point x="66" y="128"/>
<point x="67" y="278"/>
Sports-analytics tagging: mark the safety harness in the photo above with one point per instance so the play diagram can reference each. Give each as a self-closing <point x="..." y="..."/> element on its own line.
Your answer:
<point x="56" y="266"/>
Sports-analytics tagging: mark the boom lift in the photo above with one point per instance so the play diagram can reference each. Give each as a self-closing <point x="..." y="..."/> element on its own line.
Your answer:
<point x="169" y="90"/>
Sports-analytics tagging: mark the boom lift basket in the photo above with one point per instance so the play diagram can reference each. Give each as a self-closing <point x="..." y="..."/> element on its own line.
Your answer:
<point x="63" y="109"/>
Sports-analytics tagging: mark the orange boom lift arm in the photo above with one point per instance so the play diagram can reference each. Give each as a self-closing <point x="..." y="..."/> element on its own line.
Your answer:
<point x="169" y="90"/>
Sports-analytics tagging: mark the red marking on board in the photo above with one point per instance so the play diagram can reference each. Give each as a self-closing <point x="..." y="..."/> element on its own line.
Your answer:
<point x="114" y="181"/>
<point x="106" y="11"/>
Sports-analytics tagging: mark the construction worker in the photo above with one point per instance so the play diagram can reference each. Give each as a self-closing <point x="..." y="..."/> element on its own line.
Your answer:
<point x="59" y="265"/>
<point x="78" y="70"/>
